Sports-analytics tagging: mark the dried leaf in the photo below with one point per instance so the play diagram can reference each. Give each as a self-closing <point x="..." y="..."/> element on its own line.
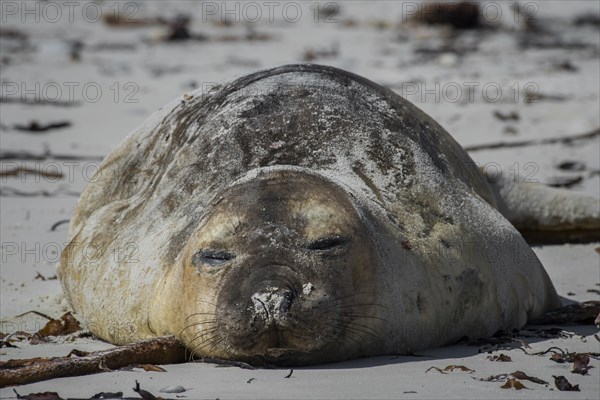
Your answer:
<point x="107" y="395"/>
<point x="44" y="278"/>
<point x="7" y="343"/>
<point x="564" y="181"/>
<point x="493" y="378"/>
<point x="66" y="325"/>
<point x="459" y="367"/>
<point x="35" y="126"/>
<point x="39" y="396"/>
<point x="523" y="376"/>
<point x="436" y="369"/>
<point x="580" y="358"/>
<point x="78" y="353"/>
<point x="451" y="368"/>
<point x="513" y="384"/>
<point x="500" y="357"/>
<point x="18" y="336"/>
<point x="513" y="376"/>
<point x="580" y="363"/>
<point x="564" y="385"/>
<point x="37" y="340"/>
<point x="459" y="15"/>
<point x="572" y="165"/>
<point x="143" y="393"/>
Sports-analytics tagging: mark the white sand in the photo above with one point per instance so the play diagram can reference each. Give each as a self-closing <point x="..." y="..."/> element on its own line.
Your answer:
<point x="28" y="245"/>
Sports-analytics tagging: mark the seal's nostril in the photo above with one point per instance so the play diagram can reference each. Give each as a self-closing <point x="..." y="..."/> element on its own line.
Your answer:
<point x="286" y="302"/>
<point x="273" y="303"/>
<point x="261" y="303"/>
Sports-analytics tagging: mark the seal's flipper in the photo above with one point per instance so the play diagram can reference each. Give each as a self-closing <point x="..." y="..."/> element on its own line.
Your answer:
<point x="546" y="215"/>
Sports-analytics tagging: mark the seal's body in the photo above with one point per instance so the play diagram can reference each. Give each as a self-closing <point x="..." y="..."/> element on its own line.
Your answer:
<point x="298" y="215"/>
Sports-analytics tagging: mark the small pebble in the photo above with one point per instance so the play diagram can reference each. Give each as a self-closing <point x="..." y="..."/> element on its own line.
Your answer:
<point x="448" y="60"/>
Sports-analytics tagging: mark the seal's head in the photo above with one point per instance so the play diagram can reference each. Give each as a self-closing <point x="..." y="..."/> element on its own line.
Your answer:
<point x="280" y="270"/>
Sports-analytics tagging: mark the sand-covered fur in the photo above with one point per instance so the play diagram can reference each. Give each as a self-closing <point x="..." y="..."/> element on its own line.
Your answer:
<point x="435" y="256"/>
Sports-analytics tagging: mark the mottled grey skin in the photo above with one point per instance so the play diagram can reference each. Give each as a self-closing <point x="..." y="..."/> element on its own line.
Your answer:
<point x="290" y="274"/>
<point x="298" y="215"/>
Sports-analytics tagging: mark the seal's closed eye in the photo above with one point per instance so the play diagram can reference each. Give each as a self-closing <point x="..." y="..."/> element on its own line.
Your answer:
<point x="212" y="257"/>
<point x="328" y="243"/>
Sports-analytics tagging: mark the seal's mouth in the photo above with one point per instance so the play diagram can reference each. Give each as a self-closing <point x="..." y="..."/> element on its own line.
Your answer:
<point x="280" y="323"/>
<point x="283" y="357"/>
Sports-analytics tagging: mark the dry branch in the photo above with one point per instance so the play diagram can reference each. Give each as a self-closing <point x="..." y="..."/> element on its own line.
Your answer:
<point x="534" y="142"/>
<point x="161" y="350"/>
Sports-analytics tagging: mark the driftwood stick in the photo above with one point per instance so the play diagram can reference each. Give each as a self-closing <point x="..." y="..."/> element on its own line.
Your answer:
<point x="541" y="237"/>
<point x="161" y="350"/>
<point x="584" y="312"/>
<point x="534" y="142"/>
<point x="28" y="156"/>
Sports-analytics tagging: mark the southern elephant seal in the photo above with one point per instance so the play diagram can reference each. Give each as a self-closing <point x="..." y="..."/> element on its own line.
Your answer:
<point x="298" y="215"/>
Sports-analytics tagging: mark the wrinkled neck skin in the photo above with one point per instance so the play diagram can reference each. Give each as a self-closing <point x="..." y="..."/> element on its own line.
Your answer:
<point x="282" y="270"/>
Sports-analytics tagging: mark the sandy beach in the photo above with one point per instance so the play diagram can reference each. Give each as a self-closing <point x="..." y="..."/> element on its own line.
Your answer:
<point x="77" y="77"/>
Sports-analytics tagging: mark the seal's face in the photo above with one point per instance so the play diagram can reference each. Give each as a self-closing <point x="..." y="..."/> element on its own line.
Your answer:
<point x="282" y="272"/>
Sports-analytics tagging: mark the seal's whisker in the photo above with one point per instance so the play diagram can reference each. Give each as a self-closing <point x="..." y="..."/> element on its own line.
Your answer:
<point x="209" y="322"/>
<point x="199" y="314"/>
<point x="361" y="305"/>
<point x="201" y="334"/>
<point x="361" y="337"/>
<point x="368" y="328"/>
<point x="192" y="354"/>
<point x="206" y="341"/>
<point x="352" y="335"/>
<point x="357" y="327"/>
<point x="234" y="224"/>
<point x="361" y="328"/>
<point x="215" y="343"/>
<point x="338" y="299"/>
<point x="353" y="315"/>
<point x="190" y="357"/>
<point x="208" y="331"/>
<point x="207" y="302"/>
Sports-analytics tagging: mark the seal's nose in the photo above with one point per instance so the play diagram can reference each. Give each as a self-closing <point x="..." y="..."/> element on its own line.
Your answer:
<point x="273" y="303"/>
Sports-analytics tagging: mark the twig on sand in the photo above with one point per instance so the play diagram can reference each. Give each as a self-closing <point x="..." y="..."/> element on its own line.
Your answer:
<point x="12" y="192"/>
<point x="541" y="353"/>
<point x="534" y="142"/>
<point x="584" y="312"/>
<point x="226" y="363"/>
<point x="160" y="350"/>
<point x="47" y="155"/>
<point x="59" y="223"/>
